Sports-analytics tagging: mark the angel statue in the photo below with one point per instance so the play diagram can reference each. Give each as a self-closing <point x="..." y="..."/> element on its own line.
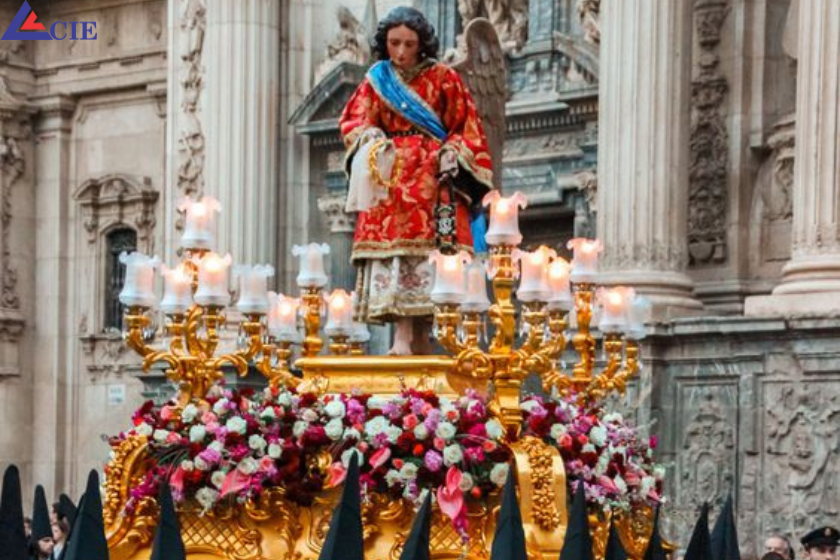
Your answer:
<point x="415" y="144"/>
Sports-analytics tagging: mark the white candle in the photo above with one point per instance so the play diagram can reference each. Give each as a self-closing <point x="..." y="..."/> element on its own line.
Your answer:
<point x="177" y="290"/>
<point x="585" y="262"/>
<point x="213" y="280"/>
<point x="636" y="315"/>
<point x="200" y="223"/>
<point x="533" y="284"/>
<point x="615" y="302"/>
<point x="504" y="218"/>
<point x="558" y="283"/>
<point x="253" y="287"/>
<point x="138" y="288"/>
<point x="311" y="272"/>
<point x="476" y="300"/>
<point x="339" y="314"/>
<point x="449" y="277"/>
<point x="282" y="317"/>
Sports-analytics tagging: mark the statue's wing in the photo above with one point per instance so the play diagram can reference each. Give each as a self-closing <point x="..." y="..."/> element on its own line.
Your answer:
<point x="484" y="70"/>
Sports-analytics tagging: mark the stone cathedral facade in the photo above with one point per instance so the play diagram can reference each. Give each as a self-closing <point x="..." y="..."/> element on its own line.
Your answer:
<point x="698" y="139"/>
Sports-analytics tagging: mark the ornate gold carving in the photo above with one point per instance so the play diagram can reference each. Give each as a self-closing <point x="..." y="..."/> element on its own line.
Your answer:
<point x="544" y="508"/>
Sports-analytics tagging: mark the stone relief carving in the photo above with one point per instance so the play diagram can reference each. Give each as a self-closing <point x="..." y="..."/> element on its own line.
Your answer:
<point x="709" y="145"/>
<point x="509" y="17"/>
<point x="12" y="166"/>
<point x="193" y="21"/>
<point x="589" y="12"/>
<point x="349" y="45"/>
<point x="104" y="355"/>
<point x="708" y="452"/>
<point x="645" y="256"/>
<point x="584" y="223"/>
<point x="777" y="195"/>
<point x="801" y="472"/>
<point x="332" y="206"/>
<point x="119" y="199"/>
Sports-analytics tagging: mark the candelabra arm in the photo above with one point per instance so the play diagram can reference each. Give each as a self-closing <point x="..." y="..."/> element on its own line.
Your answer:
<point x="583" y="341"/>
<point x="135" y="322"/>
<point x="280" y="374"/>
<point x="447" y="320"/>
<point x="503" y="313"/>
<point x="312" y="301"/>
<point x="603" y="383"/>
<point x="631" y="365"/>
<point x="175" y="328"/>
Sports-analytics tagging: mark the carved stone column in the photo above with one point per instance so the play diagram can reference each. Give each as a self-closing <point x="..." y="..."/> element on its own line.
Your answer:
<point x="643" y="149"/>
<point x="242" y="57"/>
<point x="342" y="226"/>
<point x="814" y="268"/>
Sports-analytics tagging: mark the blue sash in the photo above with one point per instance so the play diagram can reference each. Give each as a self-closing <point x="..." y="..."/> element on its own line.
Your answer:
<point x="404" y="100"/>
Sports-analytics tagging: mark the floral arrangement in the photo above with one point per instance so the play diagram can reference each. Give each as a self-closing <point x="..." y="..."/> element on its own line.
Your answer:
<point x="236" y="444"/>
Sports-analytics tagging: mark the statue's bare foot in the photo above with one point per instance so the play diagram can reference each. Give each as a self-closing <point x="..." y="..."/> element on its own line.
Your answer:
<point x="402" y="338"/>
<point x="400" y="349"/>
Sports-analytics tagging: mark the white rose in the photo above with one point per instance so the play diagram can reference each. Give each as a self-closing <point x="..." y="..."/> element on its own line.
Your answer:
<point x="268" y="413"/>
<point x="466" y="482"/>
<point x="421" y="431"/>
<point x="648" y="484"/>
<point x="220" y="407"/>
<point x="598" y="435"/>
<point x="376" y="426"/>
<point x="189" y="413"/>
<point x="620" y="484"/>
<point x="499" y="473"/>
<point x="334" y="429"/>
<point x="445" y="431"/>
<point x="393" y="433"/>
<point x="377" y="402"/>
<point x="299" y="427"/>
<point x="187" y="466"/>
<point x="558" y="431"/>
<point x="201" y="465"/>
<point x="494" y="429"/>
<point x="237" y="425"/>
<point x="248" y="466"/>
<point x="335" y="409"/>
<point x="352" y="433"/>
<point x="284" y="399"/>
<point x="207" y="497"/>
<point x="408" y="472"/>
<point x="144" y="429"/>
<point x="588" y="448"/>
<point x="392" y="477"/>
<point x="197" y="433"/>
<point x="452" y="455"/>
<point x="309" y="415"/>
<point x="217" y="446"/>
<point x="256" y="442"/>
<point x="613" y="418"/>
<point x="218" y="479"/>
<point x="603" y="463"/>
<point x="659" y="472"/>
<point x="161" y="435"/>
<point x="275" y="451"/>
<point x="345" y="457"/>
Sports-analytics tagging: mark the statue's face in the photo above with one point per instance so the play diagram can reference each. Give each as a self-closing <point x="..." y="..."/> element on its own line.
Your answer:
<point x="403" y="46"/>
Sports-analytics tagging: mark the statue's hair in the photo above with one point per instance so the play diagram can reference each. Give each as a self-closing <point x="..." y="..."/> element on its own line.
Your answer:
<point x="414" y="20"/>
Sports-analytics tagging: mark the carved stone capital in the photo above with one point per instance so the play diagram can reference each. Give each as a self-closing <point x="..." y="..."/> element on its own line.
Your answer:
<point x="332" y="205"/>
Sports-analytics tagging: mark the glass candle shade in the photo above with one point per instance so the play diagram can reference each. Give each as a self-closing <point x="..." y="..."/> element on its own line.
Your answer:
<point x="585" y="261"/>
<point x="533" y="283"/>
<point x="504" y="217"/>
<point x="200" y="222"/>
<point x="213" y="280"/>
<point x="449" y="277"/>
<point x="311" y="272"/>
<point x="558" y="283"/>
<point x="615" y="303"/>
<point x="637" y="314"/>
<point x="138" y="288"/>
<point x="476" y="300"/>
<point x="339" y="314"/>
<point x="177" y="290"/>
<point x="253" y="288"/>
<point x="282" y="317"/>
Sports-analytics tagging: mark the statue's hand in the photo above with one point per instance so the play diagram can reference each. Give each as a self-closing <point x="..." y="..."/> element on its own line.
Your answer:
<point x="372" y="134"/>
<point x="448" y="162"/>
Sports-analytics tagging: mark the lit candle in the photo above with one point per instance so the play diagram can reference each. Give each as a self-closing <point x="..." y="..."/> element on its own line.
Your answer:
<point x="504" y="218"/>
<point x="138" y="288"/>
<point x="558" y="283"/>
<point x="533" y="284"/>
<point x="311" y="272"/>
<point x="585" y="262"/>
<point x="177" y="290"/>
<point x="636" y="315"/>
<point x="449" y="277"/>
<point x="339" y="314"/>
<point x="476" y="300"/>
<point x="615" y="302"/>
<point x="282" y="317"/>
<point x="213" y="280"/>
<point x="200" y="226"/>
<point x="253" y="287"/>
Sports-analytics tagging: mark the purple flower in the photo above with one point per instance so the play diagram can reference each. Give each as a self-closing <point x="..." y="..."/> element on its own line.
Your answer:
<point x="433" y="419"/>
<point x="433" y="460"/>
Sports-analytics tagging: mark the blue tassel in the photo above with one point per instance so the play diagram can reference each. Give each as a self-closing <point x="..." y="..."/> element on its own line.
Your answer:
<point x="478" y="228"/>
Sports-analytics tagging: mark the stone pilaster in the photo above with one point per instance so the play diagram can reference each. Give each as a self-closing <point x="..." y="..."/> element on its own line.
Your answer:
<point x="643" y="148"/>
<point x="242" y="59"/>
<point x="814" y="268"/>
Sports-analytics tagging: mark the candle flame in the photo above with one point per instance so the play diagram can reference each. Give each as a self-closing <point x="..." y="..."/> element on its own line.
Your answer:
<point x="198" y="209"/>
<point x="339" y="301"/>
<point x="615" y="298"/>
<point x="213" y="264"/>
<point x="558" y="269"/>
<point x="537" y="257"/>
<point x="286" y="309"/>
<point x="450" y="263"/>
<point x="588" y="246"/>
<point x="503" y="206"/>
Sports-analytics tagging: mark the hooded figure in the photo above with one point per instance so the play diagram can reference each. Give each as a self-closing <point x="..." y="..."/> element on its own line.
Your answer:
<point x="509" y="540"/>
<point x="168" y="544"/>
<point x="577" y="545"/>
<point x="417" y="544"/>
<point x="345" y="540"/>
<point x="615" y="550"/>
<point x="12" y="535"/>
<point x="41" y="526"/>
<point x="87" y="538"/>
<point x="66" y="509"/>
<point x="724" y="539"/>
<point x="699" y="546"/>
<point x="654" y="550"/>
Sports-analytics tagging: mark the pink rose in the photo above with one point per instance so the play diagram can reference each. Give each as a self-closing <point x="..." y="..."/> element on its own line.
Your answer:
<point x="173" y="437"/>
<point x="410" y="422"/>
<point x="167" y="413"/>
<point x="439" y="444"/>
<point x="208" y="417"/>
